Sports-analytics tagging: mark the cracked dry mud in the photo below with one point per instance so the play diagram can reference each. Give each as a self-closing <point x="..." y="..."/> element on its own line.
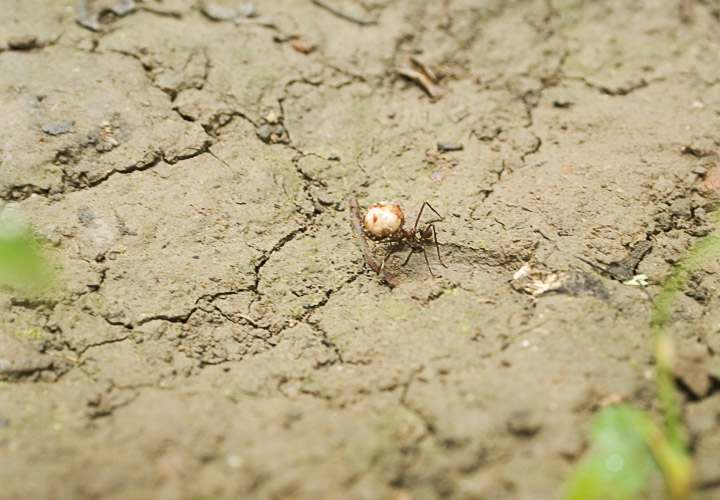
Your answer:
<point x="214" y="331"/>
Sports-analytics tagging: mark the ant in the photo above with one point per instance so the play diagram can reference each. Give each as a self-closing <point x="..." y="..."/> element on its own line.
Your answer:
<point x="384" y="223"/>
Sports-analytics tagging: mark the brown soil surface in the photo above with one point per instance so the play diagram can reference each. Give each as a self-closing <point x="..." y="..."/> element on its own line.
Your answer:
<point x="215" y="331"/>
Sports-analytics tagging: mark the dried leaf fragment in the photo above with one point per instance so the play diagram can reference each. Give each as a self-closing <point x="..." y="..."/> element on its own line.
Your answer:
<point x="422" y="75"/>
<point x="302" y="47"/>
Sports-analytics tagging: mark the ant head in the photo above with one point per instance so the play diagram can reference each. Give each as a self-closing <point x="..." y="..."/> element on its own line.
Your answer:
<point x="383" y="219"/>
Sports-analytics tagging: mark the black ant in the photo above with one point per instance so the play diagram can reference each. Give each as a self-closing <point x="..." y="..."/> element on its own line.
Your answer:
<point x="384" y="223"/>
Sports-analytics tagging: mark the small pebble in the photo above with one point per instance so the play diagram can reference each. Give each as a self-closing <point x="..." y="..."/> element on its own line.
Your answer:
<point x="58" y="128"/>
<point x="218" y="12"/>
<point x="25" y="42"/>
<point x="246" y="10"/>
<point x="523" y="423"/>
<point x="302" y="47"/>
<point x="447" y="146"/>
<point x="562" y="103"/>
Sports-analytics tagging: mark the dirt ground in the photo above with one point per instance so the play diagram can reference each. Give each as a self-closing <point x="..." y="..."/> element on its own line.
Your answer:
<point x="215" y="331"/>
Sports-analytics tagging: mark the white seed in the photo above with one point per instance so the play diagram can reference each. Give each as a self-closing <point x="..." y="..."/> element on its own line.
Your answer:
<point x="383" y="219"/>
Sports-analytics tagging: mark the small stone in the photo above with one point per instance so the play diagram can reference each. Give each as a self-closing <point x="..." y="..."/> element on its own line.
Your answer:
<point x="696" y="290"/>
<point x="86" y="216"/>
<point x="563" y="102"/>
<point x="55" y="239"/>
<point x="26" y="42"/>
<point x="217" y="12"/>
<point x="302" y="47"/>
<point x="169" y="80"/>
<point x="264" y="132"/>
<point x="246" y="10"/>
<point x="681" y="208"/>
<point x="447" y="146"/>
<point x="123" y="7"/>
<point x="523" y="423"/>
<point x="664" y="221"/>
<point x="58" y="128"/>
<point x="4" y="421"/>
<point x="272" y="117"/>
<point x="271" y="133"/>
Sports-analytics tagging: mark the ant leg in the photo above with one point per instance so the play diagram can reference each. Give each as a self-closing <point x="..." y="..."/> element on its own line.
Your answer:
<point x="419" y="214"/>
<point x="407" y="259"/>
<point x="392" y="250"/>
<point x="427" y="262"/>
<point x="437" y="246"/>
<point x="421" y="211"/>
<point x="436" y="212"/>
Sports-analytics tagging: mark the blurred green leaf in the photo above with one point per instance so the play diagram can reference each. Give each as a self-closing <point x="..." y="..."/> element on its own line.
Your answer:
<point x="627" y="449"/>
<point x="22" y="265"/>
<point x="620" y="459"/>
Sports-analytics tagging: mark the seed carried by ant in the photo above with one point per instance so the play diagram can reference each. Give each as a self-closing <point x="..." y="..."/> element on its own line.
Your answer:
<point x="383" y="219"/>
<point x="384" y="223"/>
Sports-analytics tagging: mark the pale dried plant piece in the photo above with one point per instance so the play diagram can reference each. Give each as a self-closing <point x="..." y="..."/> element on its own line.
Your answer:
<point x="548" y="283"/>
<point x="637" y="280"/>
<point x="536" y="281"/>
<point x="422" y="75"/>
<point x="272" y="117"/>
<point x="524" y="270"/>
<point x="106" y="132"/>
<point x="611" y="400"/>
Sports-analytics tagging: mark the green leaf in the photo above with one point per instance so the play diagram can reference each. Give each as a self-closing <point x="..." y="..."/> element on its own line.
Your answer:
<point x="620" y="459"/>
<point x="22" y="265"/>
<point x="627" y="450"/>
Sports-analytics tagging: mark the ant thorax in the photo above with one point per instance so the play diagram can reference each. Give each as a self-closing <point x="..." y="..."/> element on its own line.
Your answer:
<point x="383" y="220"/>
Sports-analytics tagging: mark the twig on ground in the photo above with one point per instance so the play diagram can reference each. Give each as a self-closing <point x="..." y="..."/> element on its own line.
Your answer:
<point x="422" y="75"/>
